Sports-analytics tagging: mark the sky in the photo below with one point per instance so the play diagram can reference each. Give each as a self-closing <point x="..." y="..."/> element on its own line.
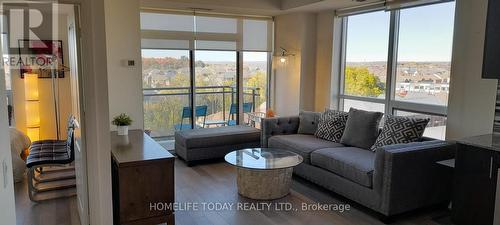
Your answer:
<point x="425" y="34"/>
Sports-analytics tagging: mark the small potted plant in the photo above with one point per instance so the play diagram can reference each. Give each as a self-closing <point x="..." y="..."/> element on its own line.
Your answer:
<point x="122" y="122"/>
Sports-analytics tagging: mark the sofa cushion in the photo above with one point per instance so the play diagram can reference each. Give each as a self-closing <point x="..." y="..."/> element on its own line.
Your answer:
<point x="308" y="122"/>
<point x="400" y="130"/>
<point x="301" y="144"/>
<point x="352" y="163"/>
<point x="362" y="128"/>
<point x="229" y="135"/>
<point x="331" y="125"/>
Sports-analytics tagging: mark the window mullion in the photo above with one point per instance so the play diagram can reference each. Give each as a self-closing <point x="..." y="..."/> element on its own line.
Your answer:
<point x="364" y="99"/>
<point x="192" y="88"/>
<point x="343" y="55"/>
<point x="390" y="89"/>
<point x="420" y="108"/>
<point x="341" y="71"/>
<point x="270" y="84"/>
<point x="239" y="87"/>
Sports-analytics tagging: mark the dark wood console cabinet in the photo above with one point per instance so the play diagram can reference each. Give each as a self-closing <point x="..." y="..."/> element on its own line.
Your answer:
<point x="476" y="170"/>
<point x="142" y="174"/>
<point x="491" y="56"/>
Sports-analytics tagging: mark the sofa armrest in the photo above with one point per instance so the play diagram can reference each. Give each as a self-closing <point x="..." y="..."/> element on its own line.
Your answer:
<point x="407" y="176"/>
<point x="278" y="126"/>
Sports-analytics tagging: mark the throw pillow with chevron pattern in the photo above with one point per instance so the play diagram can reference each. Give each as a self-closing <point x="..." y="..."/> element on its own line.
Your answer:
<point x="331" y="125"/>
<point x="400" y="130"/>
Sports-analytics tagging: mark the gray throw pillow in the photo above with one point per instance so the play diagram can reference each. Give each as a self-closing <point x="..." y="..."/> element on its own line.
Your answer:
<point x="308" y="122"/>
<point x="331" y="125"/>
<point x="400" y="130"/>
<point x="362" y="128"/>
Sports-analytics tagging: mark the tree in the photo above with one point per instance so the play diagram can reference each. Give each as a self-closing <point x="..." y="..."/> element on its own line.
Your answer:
<point x="359" y="81"/>
<point x="163" y="112"/>
<point x="258" y="80"/>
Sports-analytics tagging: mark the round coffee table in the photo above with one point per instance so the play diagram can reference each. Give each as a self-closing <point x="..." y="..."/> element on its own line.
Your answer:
<point x="263" y="173"/>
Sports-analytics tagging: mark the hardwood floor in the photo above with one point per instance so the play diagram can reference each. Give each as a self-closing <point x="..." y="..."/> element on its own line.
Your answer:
<point x="61" y="211"/>
<point x="216" y="183"/>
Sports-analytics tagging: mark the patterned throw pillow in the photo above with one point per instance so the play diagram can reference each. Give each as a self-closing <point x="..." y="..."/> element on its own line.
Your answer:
<point x="331" y="125"/>
<point x="400" y="130"/>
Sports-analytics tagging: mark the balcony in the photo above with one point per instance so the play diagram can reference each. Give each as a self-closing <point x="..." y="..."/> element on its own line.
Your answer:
<point x="163" y="107"/>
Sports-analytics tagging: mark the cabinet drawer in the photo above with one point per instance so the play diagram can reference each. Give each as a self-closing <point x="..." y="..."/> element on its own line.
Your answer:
<point x="140" y="186"/>
<point x="474" y="186"/>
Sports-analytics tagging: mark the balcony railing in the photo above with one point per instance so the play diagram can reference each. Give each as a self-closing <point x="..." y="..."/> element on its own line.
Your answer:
<point x="163" y="106"/>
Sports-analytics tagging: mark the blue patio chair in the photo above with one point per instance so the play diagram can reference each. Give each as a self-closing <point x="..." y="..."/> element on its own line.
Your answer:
<point x="201" y="111"/>
<point x="247" y="108"/>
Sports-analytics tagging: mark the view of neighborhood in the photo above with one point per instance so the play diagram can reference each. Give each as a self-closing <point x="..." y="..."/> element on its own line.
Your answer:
<point x="422" y="68"/>
<point x="166" y="83"/>
<point x="417" y="82"/>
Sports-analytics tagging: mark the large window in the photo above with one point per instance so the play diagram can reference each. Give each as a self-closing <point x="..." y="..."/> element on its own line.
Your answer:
<point x="398" y="62"/>
<point x="366" y="55"/>
<point x="203" y="62"/>
<point x="424" y="54"/>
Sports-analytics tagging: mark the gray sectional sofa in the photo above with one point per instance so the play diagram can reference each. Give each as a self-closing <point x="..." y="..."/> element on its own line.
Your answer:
<point x="392" y="180"/>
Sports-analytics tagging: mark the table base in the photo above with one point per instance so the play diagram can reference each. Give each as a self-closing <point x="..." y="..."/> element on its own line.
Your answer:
<point x="264" y="184"/>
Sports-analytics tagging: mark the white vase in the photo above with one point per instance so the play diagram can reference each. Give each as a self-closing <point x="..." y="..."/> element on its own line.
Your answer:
<point x="123" y="141"/>
<point x="122" y="130"/>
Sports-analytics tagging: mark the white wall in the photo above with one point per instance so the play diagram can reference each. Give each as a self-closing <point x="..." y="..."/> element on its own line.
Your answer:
<point x="123" y="41"/>
<point x="295" y="81"/>
<point x="308" y="61"/>
<point x="324" y="52"/>
<point x="471" y="105"/>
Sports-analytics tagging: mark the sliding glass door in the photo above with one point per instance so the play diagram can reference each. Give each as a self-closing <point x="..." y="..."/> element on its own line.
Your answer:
<point x="166" y="85"/>
<point x="167" y="89"/>
<point x="216" y="88"/>
<point x="203" y="70"/>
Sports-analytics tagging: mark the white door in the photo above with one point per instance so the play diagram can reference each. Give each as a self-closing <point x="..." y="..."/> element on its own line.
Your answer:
<point x="7" y="203"/>
<point x="80" y="153"/>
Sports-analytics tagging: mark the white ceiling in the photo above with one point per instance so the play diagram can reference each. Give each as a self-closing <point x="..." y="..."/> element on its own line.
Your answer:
<point x="254" y="7"/>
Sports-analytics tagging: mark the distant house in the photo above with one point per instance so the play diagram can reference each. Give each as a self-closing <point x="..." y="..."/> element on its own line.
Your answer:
<point x="410" y="71"/>
<point x="157" y="78"/>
